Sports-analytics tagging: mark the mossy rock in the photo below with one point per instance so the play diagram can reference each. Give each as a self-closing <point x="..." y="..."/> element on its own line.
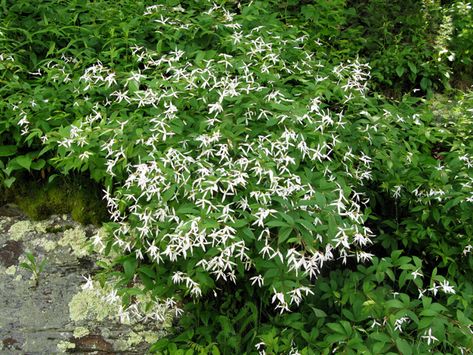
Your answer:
<point x="76" y="196"/>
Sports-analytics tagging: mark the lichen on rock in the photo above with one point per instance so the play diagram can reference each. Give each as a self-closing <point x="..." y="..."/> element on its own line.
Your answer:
<point x="134" y="338"/>
<point x="45" y="243"/>
<point x="64" y="346"/>
<point x="80" y="332"/>
<point x="62" y="315"/>
<point x="18" y="230"/>
<point x="89" y="304"/>
<point x="77" y="241"/>
<point x="11" y="270"/>
<point x="41" y="227"/>
<point x="100" y="305"/>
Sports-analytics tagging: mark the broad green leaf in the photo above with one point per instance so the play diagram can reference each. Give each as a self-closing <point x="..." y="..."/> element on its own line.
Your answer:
<point x="412" y="67"/>
<point x="403" y="346"/>
<point x="24" y="161"/>
<point x="337" y="328"/>
<point x="277" y="223"/>
<point x="9" y="182"/>
<point x="129" y="266"/>
<point x="284" y="234"/>
<point x="7" y="150"/>
<point x="399" y="70"/>
<point x="38" y="164"/>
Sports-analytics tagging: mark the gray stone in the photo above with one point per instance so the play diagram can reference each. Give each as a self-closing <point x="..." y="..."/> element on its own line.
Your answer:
<point x="35" y="314"/>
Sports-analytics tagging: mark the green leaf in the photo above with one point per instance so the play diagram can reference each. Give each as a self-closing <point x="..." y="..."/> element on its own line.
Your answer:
<point x="377" y="348"/>
<point x="133" y="291"/>
<point x="199" y="57"/>
<point x="399" y="70"/>
<point x="287" y="218"/>
<point x="319" y="313"/>
<point x="26" y="266"/>
<point x="381" y="337"/>
<point x="169" y="193"/>
<point x="24" y="161"/>
<point x="403" y="346"/>
<point x="403" y="278"/>
<point x="452" y="203"/>
<point x="30" y="257"/>
<point x="412" y="67"/>
<point x="147" y="281"/>
<point x="335" y="338"/>
<point x="7" y="150"/>
<point x="394" y="304"/>
<point x="337" y="328"/>
<point x="226" y="324"/>
<point x="42" y="264"/>
<point x="52" y="177"/>
<point x="347" y="326"/>
<point x="390" y="274"/>
<point x="306" y="224"/>
<point x="129" y="266"/>
<point x="277" y="223"/>
<point x="38" y="164"/>
<point x="147" y="270"/>
<point x="284" y="234"/>
<point x="281" y="107"/>
<point x="425" y="83"/>
<point x="161" y="344"/>
<point x="9" y="182"/>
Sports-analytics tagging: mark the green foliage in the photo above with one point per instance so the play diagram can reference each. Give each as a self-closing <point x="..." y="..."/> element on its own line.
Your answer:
<point x="460" y="15"/>
<point x="373" y="309"/>
<point x="402" y="44"/>
<point x="258" y="181"/>
<point x="429" y="180"/>
<point x="35" y="266"/>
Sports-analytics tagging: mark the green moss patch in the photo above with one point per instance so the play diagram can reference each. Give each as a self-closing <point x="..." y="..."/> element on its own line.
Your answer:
<point x="76" y="196"/>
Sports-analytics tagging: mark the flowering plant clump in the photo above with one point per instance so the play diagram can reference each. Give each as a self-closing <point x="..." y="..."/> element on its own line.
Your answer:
<point x="231" y="162"/>
<point x="257" y="187"/>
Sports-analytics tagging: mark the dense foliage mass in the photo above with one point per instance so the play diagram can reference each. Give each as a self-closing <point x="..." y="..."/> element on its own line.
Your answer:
<point x="287" y="177"/>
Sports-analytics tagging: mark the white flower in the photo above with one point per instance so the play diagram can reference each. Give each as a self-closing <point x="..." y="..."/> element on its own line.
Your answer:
<point x="260" y="345"/>
<point x="446" y="287"/>
<point x="85" y="155"/>
<point x="430" y="338"/>
<point x="89" y="285"/>
<point x="416" y="273"/>
<point x="399" y="322"/>
<point x="124" y="315"/>
<point x="259" y="280"/>
<point x="261" y="215"/>
<point x="216" y="107"/>
<point x="434" y="289"/>
<point x="195" y="290"/>
<point x="237" y="37"/>
<point x="135" y="77"/>
<point x="397" y="191"/>
<point x="267" y="249"/>
<point x="467" y="249"/>
<point x="177" y="277"/>
<point x="112" y="297"/>
<point x="375" y="324"/>
<point x="363" y="256"/>
<point x="278" y="298"/>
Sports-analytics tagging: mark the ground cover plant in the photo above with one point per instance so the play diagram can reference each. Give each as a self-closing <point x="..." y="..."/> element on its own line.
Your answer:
<point x="262" y="184"/>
